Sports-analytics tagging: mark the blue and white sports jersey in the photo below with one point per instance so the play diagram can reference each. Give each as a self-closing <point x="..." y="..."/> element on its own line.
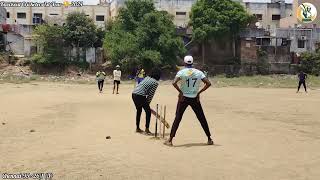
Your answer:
<point x="190" y="81"/>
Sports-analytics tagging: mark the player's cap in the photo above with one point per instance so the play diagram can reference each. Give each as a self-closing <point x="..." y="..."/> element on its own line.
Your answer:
<point x="117" y="66"/>
<point x="188" y="59"/>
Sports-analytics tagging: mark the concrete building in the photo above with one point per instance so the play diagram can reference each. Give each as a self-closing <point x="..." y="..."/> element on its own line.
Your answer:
<point x="300" y="39"/>
<point x="3" y="15"/>
<point x="269" y="12"/>
<point x="2" y="34"/>
<point x="24" y="19"/>
<point x="292" y="21"/>
<point x="180" y="9"/>
<point x="34" y="15"/>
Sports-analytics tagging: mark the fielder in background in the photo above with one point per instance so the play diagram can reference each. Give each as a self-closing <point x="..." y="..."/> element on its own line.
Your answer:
<point x="100" y="77"/>
<point x="189" y="95"/>
<point x="116" y="78"/>
<point x="140" y="75"/>
<point x="142" y="96"/>
<point x="302" y="80"/>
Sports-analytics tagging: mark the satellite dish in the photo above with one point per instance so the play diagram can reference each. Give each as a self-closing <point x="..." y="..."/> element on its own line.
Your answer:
<point x="258" y="24"/>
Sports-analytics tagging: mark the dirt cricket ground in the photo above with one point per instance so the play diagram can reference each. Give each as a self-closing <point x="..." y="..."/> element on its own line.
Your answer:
<point x="271" y="134"/>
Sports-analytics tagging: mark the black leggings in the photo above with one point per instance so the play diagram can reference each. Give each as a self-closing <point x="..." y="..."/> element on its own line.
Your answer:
<point x="304" y="85"/>
<point x="141" y="102"/>
<point x="197" y="108"/>
<point x="100" y="85"/>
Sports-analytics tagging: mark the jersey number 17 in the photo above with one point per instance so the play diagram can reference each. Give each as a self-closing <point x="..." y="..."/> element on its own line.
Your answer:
<point x="192" y="83"/>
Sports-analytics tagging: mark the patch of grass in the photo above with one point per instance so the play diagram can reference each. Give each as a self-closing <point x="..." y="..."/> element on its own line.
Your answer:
<point x="259" y="81"/>
<point x="9" y="78"/>
<point x="270" y="81"/>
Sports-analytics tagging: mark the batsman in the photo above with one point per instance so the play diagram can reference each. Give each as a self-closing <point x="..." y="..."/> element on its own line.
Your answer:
<point x="189" y="95"/>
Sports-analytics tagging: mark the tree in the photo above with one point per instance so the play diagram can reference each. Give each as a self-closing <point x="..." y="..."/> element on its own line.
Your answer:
<point x="216" y="19"/>
<point x="310" y="62"/>
<point x="140" y="35"/>
<point x="133" y="12"/>
<point x="100" y="36"/>
<point x="80" y="31"/>
<point x="50" y="41"/>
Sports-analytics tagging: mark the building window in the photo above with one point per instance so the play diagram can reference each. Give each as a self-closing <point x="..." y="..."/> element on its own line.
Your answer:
<point x="258" y="16"/>
<point x="285" y="42"/>
<point x="38" y="15"/>
<point x="8" y="14"/>
<point x="21" y="15"/>
<point x="53" y="14"/>
<point x="263" y="41"/>
<point x="181" y="13"/>
<point x="276" y="17"/>
<point x="301" y="43"/>
<point x="258" y="41"/>
<point x="37" y="18"/>
<point x="99" y="18"/>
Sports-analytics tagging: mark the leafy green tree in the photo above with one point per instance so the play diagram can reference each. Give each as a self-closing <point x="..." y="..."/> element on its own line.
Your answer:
<point x="217" y="19"/>
<point x="140" y="35"/>
<point x="100" y="36"/>
<point x="50" y="41"/>
<point x="310" y="62"/>
<point x="133" y="12"/>
<point x="121" y="45"/>
<point x="80" y="31"/>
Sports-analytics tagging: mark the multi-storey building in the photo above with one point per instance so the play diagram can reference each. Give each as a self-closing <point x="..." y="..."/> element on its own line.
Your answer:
<point x="180" y="9"/>
<point x="3" y="15"/>
<point x="2" y="21"/>
<point x="23" y="20"/>
<point x="269" y="12"/>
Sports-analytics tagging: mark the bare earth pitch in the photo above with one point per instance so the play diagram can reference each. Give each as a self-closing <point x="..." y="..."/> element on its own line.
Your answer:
<point x="259" y="134"/>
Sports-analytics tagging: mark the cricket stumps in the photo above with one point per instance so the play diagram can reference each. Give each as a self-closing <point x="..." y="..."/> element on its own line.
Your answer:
<point x="161" y="116"/>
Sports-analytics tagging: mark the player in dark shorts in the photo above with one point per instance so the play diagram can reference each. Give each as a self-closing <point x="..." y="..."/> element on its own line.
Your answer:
<point x="302" y="80"/>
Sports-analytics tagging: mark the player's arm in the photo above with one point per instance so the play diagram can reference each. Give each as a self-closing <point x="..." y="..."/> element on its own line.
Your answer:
<point x="207" y="85"/>
<point x="175" y="84"/>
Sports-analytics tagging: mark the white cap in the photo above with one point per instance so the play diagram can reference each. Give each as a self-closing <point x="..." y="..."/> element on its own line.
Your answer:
<point x="188" y="59"/>
<point x="117" y="66"/>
